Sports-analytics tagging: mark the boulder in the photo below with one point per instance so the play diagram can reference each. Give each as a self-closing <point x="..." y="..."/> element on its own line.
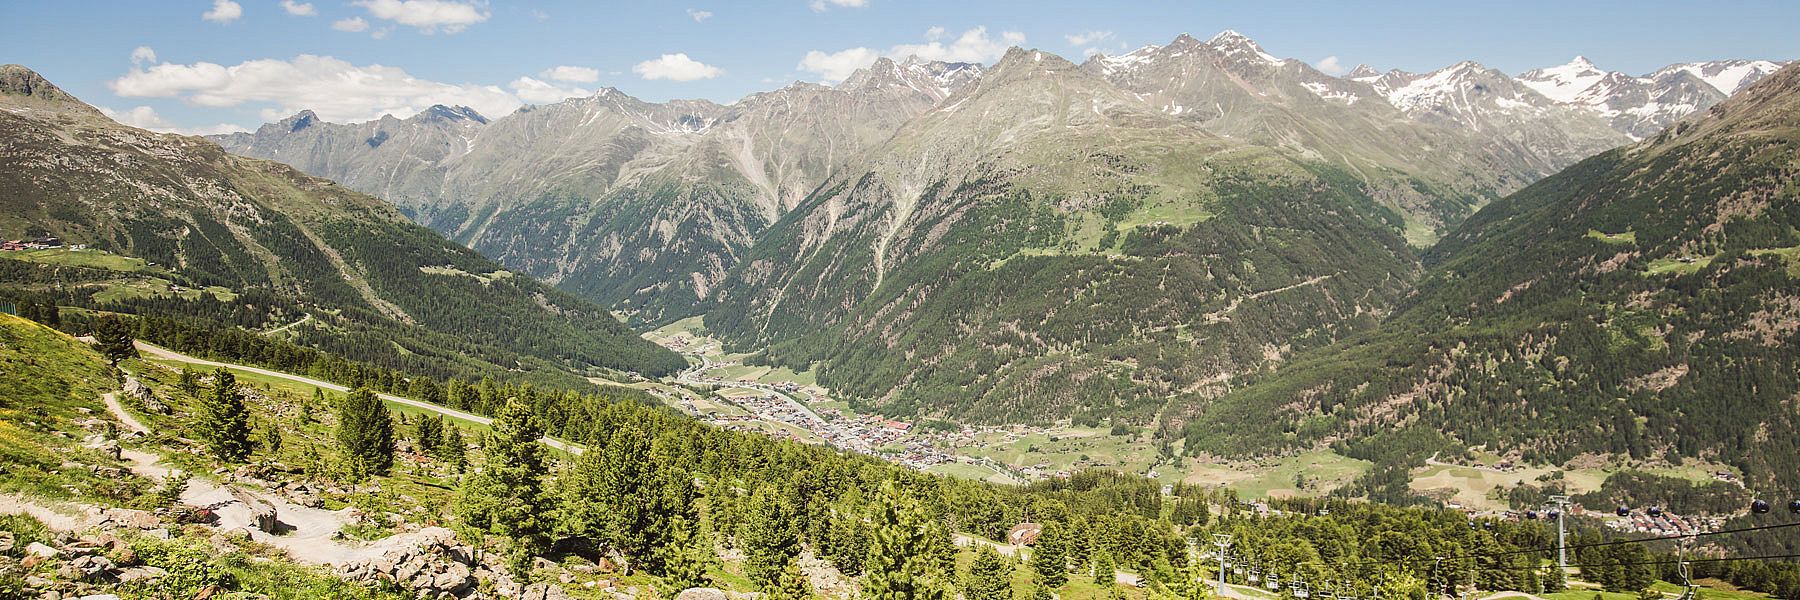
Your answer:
<point x="38" y="549"/>
<point x="701" y="594"/>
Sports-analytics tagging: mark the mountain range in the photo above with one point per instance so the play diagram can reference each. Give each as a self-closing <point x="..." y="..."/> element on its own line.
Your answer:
<point x="273" y="248"/>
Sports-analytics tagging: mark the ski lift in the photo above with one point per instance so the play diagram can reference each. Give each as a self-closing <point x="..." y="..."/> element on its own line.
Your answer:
<point x="1623" y="511"/>
<point x="1255" y="575"/>
<point x="1552" y="515"/>
<point x="1760" y="507"/>
<point x="1655" y="511"/>
<point x="1794" y="506"/>
<point x="1488" y="525"/>
<point x="1681" y="567"/>
<point x="1531" y="515"/>
<point x="1274" y="583"/>
<point x="1300" y="590"/>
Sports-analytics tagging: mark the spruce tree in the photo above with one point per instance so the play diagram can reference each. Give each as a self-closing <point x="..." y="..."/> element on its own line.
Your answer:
<point x="454" y="451"/>
<point x="366" y="434"/>
<point x="769" y="536"/>
<point x="1104" y="569"/>
<point x="1050" y="556"/>
<point x="688" y="556"/>
<point x="428" y="434"/>
<point x="112" y="334"/>
<point x="224" y="422"/>
<point x="902" y="563"/>
<point x="990" y="576"/>
<point x="506" y="498"/>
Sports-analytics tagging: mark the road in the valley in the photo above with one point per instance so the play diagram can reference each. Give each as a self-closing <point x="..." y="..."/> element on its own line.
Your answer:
<point x="161" y="352"/>
<point x="691" y="376"/>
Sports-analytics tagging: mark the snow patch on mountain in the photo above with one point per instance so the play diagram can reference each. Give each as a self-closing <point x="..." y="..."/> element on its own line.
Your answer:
<point x="1563" y="83"/>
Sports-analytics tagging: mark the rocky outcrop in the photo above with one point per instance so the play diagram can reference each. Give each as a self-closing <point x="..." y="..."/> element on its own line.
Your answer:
<point x="434" y="564"/>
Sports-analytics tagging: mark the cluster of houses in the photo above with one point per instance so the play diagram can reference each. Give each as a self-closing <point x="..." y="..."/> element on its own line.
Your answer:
<point x="39" y="243"/>
<point x="1667" y="523"/>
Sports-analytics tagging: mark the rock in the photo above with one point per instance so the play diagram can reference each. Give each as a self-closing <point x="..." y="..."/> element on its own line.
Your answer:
<point x="701" y="594"/>
<point x="158" y="533"/>
<point x="134" y="519"/>
<point x="40" y="550"/>
<point x="7" y="542"/>
<point x="100" y="597"/>
<point x="87" y="568"/>
<point x="141" y="574"/>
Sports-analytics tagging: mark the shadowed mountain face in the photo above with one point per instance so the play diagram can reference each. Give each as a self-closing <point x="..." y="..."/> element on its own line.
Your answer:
<point x="1643" y="302"/>
<point x="634" y="204"/>
<point x="285" y="244"/>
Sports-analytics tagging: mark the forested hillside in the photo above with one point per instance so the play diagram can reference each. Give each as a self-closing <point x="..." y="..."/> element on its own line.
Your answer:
<point x="1045" y="247"/>
<point x="1644" y="303"/>
<point x="179" y="228"/>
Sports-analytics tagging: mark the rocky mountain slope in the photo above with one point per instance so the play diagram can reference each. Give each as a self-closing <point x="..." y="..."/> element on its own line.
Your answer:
<point x="630" y="203"/>
<point x="1043" y="244"/>
<point x="1641" y="303"/>
<point x="272" y="246"/>
<point x="1642" y="106"/>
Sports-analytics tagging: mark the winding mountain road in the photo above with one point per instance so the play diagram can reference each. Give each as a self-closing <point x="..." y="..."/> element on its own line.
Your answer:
<point x="165" y="353"/>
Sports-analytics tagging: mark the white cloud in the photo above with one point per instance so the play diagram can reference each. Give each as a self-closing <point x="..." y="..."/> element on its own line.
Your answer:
<point x="144" y="117"/>
<point x="676" y="67"/>
<point x="428" y="16"/>
<point x="822" y="5"/>
<point x="223" y="11"/>
<point x="299" y="9"/>
<point x="572" y="74"/>
<point x="1089" y="38"/>
<point x="1331" y="66"/>
<point x="699" y="15"/>
<point x="335" y="89"/>
<point x="974" y="45"/>
<point x="352" y="25"/>
<point x="142" y="54"/>
<point x="836" y="66"/>
<point x="534" y="91"/>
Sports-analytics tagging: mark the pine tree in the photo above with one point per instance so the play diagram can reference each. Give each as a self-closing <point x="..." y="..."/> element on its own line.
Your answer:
<point x="366" y="434"/>
<point x="1104" y="569"/>
<point x="113" y="337"/>
<point x="224" y="422"/>
<point x="1050" y="556"/>
<point x="790" y="584"/>
<point x="902" y="562"/>
<point x="690" y="554"/>
<point x="506" y="497"/>
<point x="990" y="576"/>
<point x="428" y="434"/>
<point x="770" y="537"/>
<point x="272" y="438"/>
<point x="454" y="451"/>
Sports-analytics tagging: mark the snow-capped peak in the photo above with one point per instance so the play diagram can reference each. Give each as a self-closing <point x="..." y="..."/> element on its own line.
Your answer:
<point x="1363" y="73"/>
<point x="1232" y="43"/>
<point x="1563" y="83"/>
<point x="1727" y="76"/>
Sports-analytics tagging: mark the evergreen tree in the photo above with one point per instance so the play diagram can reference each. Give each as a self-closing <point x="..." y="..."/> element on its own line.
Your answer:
<point x="224" y="422"/>
<point x="112" y="335"/>
<point x="990" y="576"/>
<point x="1104" y="569"/>
<point x="902" y="562"/>
<point x="1555" y="581"/>
<point x="506" y="497"/>
<point x="770" y="537"/>
<point x="428" y="434"/>
<point x="272" y="438"/>
<point x="366" y="434"/>
<point x="790" y="584"/>
<point x="1050" y="556"/>
<point x="454" y="451"/>
<point x="690" y="554"/>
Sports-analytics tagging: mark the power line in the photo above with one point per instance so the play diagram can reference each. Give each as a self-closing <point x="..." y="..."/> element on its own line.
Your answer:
<point x="1645" y="563"/>
<point x="1554" y="548"/>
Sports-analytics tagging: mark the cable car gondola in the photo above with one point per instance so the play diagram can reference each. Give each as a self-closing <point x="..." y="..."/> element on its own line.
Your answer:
<point x="1623" y="511"/>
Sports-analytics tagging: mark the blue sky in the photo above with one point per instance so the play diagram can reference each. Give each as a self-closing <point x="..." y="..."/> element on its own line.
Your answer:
<point x="210" y="65"/>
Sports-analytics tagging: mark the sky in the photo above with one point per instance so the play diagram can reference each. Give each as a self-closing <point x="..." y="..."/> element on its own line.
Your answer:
<point x="210" y="66"/>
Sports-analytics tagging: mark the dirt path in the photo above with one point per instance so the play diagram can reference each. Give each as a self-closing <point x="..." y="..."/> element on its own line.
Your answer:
<point x="161" y="352"/>
<point x="309" y="531"/>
